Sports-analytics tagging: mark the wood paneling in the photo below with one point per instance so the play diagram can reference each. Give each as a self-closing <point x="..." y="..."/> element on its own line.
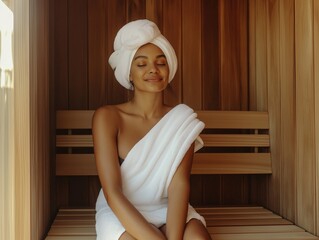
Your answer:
<point x="40" y="119"/>
<point x="289" y="80"/>
<point x="195" y="35"/>
<point x="274" y="107"/>
<point x="116" y="18"/>
<point x="210" y="55"/>
<point x="154" y="12"/>
<point x="253" y="54"/>
<point x="258" y="55"/>
<point x="288" y="112"/>
<point x="97" y="54"/>
<point x="22" y="141"/>
<point x="191" y="54"/>
<point x="136" y="9"/>
<point x="233" y="17"/>
<point x="77" y="57"/>
<point x="172" y="29"/>
<point x="316" y="89"/>
<point x="61" y="54"/>
<point x="32" y="200"/>
<point x="305" y="125"/>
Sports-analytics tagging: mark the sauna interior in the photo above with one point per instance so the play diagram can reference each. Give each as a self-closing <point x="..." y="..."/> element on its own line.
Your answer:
<point x="258" y="55"/>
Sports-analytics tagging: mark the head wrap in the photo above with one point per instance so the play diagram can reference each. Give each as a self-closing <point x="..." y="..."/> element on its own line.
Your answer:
<point x="129" y="39"/>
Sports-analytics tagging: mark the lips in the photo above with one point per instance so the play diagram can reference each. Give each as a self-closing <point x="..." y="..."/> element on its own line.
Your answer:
<point x="153" y="79"/>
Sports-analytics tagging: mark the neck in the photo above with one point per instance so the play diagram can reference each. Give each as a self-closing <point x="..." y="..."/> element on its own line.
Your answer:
<point x="148" y="105"/>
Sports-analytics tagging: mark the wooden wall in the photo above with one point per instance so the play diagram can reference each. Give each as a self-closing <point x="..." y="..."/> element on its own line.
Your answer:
<point x="213" y="71"/>
<point x="233" y="55"/>
<point x="284" y="78"/>
<point x="32" y="204"/>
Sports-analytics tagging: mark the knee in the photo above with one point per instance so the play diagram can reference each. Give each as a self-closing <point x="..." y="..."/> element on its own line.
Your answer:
<point x="195" y="230"/>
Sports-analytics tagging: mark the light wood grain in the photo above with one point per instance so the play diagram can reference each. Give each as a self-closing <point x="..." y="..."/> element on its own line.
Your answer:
<point x="22" y="141"/>
<point x="238" y="159"/>
<point x="316" y="89"/>
<point x="288" y="110"/>
<point x="261" y="55"/>
<point x="305" y="119"/>
<point x="222" y="223"/>
<point x="274" y="108"/>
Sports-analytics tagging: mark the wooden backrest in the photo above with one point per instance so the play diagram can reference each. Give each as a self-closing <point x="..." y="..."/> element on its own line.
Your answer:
<point x="236" y="142"/>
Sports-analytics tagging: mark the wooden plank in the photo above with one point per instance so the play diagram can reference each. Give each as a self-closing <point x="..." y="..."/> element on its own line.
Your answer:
<point x="274" y="108"/>
<point x="261" y="56"/>
<point x="74" y="141"/>
<point x="210" y="56"/>
<point x="172" y="30"/>
<point x="72" y="231"/>
<point x="237" y="216"/>
<point x="252" y="18"/>
<point x="76" y="211"/>
<point x="116" y="18"/>
<point x="235" y="140"/>
<point x="305" y="119"/>
<point x="247" y="222"/>
<point x="231" y="209"/>
<point x="74" y="223"/>
<point x="233" y="54"/>
<point x="90" y="231"/>
<point x="136" y="9"/>
<point x="210" y="140"/>
<point x="77" y="49"/>
<point x="61" y="71"/>
<point x="154" y="12"/>
<point x="97" y="58"/>
<point x="191" y="54"/>
<point x="234" y="119"/>
<point x="288" y="110"/>
<point x="260" y="236"/>
<point x="76" y="119"/>
<point x="70" y="238"/>
<point x="75" y="165"/>
<point x="204" y="163"/>
<point x="255" y="229"/>
<point x="240" y="163"/>
<point x="78" y="191"/>
<point x="316" y="89"/>
<point x="229" y="223"/>
<point x="20" y="215"/>
<point x="213" y="119"/>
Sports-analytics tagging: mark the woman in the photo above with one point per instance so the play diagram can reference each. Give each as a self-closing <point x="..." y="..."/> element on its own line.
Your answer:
<point x="143" y="148"/>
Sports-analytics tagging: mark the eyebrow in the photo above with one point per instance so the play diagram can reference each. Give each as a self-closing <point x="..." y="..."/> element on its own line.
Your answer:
<point x="142" y="56"/>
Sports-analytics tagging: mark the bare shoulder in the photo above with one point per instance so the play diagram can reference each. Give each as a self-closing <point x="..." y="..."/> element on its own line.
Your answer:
<point x="106" y="117"/>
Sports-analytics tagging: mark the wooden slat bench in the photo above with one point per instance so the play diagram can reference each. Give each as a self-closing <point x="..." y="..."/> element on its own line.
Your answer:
<point x="231" y="223"/>
<point x="236" y="142"/>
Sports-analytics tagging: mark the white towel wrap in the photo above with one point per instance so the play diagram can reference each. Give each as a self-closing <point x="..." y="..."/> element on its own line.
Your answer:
<point x="148" y="169"/>
<point x="129" y="39"/>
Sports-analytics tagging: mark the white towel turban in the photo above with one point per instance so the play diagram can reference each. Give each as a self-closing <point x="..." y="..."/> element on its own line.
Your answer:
<point x="129" y="39"/>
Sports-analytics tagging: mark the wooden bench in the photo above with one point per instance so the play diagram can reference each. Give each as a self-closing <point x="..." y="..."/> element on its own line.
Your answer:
<point x="236" y="142"/>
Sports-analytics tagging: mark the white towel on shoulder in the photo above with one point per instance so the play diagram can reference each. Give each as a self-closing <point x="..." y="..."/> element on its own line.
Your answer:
<point x="148" y="169"/>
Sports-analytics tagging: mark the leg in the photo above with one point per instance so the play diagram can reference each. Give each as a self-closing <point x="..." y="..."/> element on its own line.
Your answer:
<point x="195" y="230"/>
<point x="126" y="236"/>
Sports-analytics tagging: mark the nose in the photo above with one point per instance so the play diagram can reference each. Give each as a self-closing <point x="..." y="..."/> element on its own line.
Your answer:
<point x="153" y="68"/>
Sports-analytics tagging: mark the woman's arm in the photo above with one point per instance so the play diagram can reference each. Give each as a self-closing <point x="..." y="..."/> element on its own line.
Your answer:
<point x="178" y="198"/>
<point x="105" y="127"/>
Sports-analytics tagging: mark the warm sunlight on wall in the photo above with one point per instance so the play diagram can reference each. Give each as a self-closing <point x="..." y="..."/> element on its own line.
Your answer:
<point x="6" y="124"/>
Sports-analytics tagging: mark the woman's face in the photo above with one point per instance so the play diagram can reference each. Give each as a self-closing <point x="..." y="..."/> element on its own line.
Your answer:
<point x="149" y="69"/>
